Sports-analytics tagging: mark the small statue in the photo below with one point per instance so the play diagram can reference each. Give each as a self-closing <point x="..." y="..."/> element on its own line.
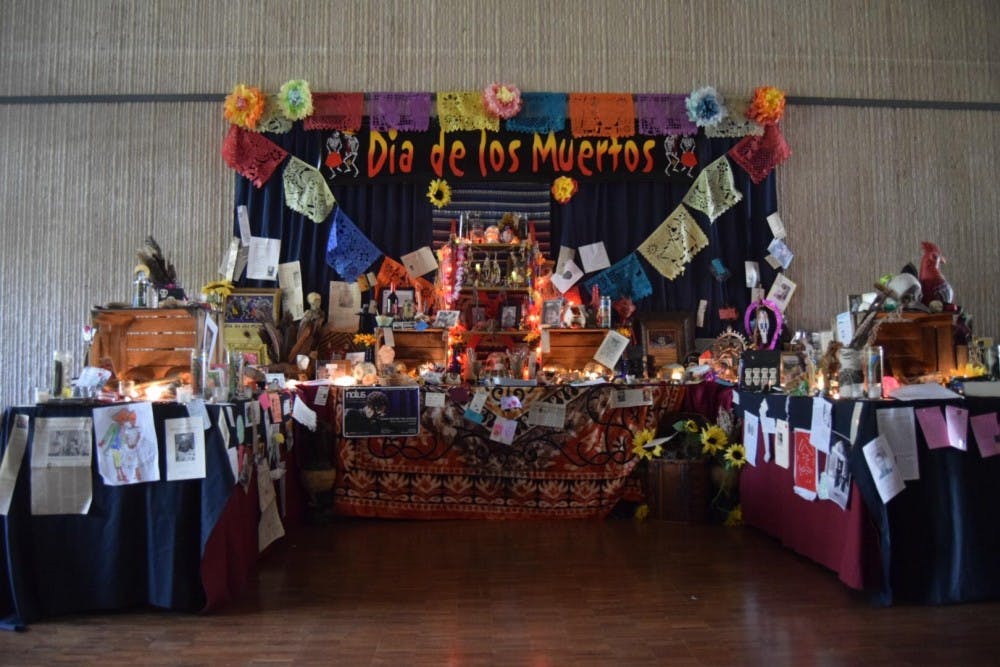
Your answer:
<point x="934" y="285"/>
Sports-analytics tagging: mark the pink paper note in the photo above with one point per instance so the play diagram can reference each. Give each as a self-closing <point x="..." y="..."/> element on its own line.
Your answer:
<point x="987" y="433"/>
<point x="933" y="425"/>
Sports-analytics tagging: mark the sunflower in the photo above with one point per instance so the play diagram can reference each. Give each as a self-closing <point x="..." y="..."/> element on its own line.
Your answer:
<point x="736" y="456"/>
<point x="439" y="193"/>
<point x="641" y="512"/>
<point x="713" y="440"/>
<point x="639" y="444"/>
<point x="691" y="426"/>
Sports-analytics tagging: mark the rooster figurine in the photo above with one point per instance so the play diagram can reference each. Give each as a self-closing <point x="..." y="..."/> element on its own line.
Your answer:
<point x="934" y="285"/>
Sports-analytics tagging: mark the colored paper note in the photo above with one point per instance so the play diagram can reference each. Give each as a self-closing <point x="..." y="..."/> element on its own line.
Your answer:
<point x="934" y="428"/>
<point x="958" y="424"/>
<point x="882" y="464"/>
<point x="805" y="471"/>
<point x="987" y="433"/>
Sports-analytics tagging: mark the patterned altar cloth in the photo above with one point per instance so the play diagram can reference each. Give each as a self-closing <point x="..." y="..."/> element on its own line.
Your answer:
<point x="454" y="470"/>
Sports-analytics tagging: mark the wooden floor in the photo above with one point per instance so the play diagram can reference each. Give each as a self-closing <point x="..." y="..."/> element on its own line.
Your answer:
<point x="528" y="593"/>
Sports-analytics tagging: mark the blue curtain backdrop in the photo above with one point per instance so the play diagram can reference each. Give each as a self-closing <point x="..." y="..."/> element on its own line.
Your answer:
<point x="398" y="218"/>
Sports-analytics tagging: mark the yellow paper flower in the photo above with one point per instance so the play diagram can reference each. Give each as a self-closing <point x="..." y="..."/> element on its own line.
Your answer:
<point x="767" y="106"/>
<point x="244" y="106"/>
<point x="532" y="336"/>
<point x="691" y="426"/>
<point x="439" y="193"/>
<point x="736" y="456"/>
<point x="713" y="440"/>
<point x="563" y="189"/>
<point x="641" y="512"/>
<point x="279" y="438"/>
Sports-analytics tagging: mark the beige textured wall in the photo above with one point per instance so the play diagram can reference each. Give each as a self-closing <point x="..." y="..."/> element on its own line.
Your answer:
<point x="82" y="184"/>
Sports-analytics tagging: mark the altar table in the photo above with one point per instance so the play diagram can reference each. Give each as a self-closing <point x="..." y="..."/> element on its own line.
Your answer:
<point x="936" y="542"/>
<point x="184" y="545"/>
<point x="453" y="470"/>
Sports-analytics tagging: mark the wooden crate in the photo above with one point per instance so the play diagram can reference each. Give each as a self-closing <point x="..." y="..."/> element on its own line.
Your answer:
<point x="678" y="490"/>
<point x="417" y="347"/>
<point x="918" y="344"/>
<point x="147" y="344"/>
<point x="573" y="348"/>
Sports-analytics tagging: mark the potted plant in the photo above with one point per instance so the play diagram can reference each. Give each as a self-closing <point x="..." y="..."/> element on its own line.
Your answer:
<point x="692" y="468"/>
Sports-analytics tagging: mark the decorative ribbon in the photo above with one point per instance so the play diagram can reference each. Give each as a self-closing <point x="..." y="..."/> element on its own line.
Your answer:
<point x="306" y="191"/>
<point x="663" y="114"/>
<point x="336" y="111"/>
<point x="714" y="192"/>
<point x="348" y="251"/>
<point x="407" y="112"/>
<point x="674" y="243"/>
<point x="464" y="110"/>
<point x="541" y="113"/>
<point x="253" y="156"/>
<point x="624" y="278"/>
<point x="601" y="114"/>
<point x="736" y="123"/>
<point x="760" y="155"/>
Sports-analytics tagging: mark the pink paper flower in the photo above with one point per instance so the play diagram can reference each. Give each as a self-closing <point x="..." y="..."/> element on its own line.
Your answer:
<point x="502" y="100"/>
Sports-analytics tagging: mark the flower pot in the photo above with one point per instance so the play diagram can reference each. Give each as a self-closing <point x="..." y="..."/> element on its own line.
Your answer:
<point x="679" y="490"/>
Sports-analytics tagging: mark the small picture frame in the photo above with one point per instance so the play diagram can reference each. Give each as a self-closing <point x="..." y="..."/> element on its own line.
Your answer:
<point x="446" y="319"/>
<point x="668" y="336"/>
<point x="781" y="291"/>
<point x="510" y="315"/>
<point x="253" y="306"/>
<point x="402" y="295"/>
<point x="552" y="312"/>
<point x="476" y="317"/>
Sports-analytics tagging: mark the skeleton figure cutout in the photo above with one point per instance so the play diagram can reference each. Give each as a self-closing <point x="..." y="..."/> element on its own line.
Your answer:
<point x="340" y="158"/>
<point x="681" y="158"/>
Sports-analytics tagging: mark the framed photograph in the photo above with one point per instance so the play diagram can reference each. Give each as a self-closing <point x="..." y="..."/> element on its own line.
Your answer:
<point x="781" y="291"/>
<point x="402" y="296"/>
<point x="510" y="315"/>
<point x="552" y="312"/>
<point x="252" y="306"/>
<point x="446" y="319"/>
<point x="668" y="336"/>
<point x="476" y="317"/>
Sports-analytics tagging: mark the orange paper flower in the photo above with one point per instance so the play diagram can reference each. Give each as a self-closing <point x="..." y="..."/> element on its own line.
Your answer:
<point x="767" y="106"/>
<point x="244" y="106"/>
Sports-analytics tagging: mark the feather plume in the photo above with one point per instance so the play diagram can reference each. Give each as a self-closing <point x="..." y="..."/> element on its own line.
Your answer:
<point x="161" y="272"/>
